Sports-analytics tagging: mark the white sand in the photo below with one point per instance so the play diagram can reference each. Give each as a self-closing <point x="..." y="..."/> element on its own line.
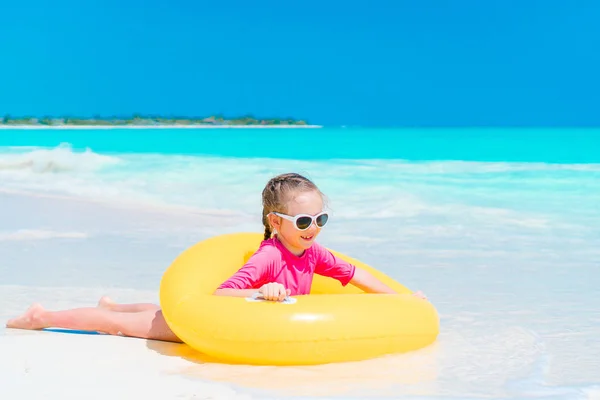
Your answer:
<point x="49" y="365"/>
<point x="157" y="126"/>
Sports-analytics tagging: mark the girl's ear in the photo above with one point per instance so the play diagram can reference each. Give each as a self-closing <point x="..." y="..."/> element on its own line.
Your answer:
<point x="275" y="221"/>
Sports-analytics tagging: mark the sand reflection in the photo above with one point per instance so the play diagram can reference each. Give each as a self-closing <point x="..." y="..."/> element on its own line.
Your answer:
<point x="414" y="372"/>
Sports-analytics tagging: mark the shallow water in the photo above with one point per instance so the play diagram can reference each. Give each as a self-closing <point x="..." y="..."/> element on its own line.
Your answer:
<point x="507" y="251"/>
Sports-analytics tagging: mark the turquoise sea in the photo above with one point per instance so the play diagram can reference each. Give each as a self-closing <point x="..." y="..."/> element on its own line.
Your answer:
<point x="569" y="146"/>
<point x="499" y="227"/>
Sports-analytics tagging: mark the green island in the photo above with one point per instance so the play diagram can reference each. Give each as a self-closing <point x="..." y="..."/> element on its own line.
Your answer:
<point x="147" y="120"/>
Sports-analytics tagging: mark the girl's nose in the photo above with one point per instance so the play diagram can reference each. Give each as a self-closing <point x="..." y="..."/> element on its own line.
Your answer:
<point x="313" y="228"/>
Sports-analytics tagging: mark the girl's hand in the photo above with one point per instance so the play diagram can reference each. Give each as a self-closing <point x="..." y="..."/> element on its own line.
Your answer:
<point x="274" y="291"/>
<point x="420" y="295"/>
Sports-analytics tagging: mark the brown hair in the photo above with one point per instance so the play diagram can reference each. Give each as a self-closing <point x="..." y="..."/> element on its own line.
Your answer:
<point x="277" y="193"/>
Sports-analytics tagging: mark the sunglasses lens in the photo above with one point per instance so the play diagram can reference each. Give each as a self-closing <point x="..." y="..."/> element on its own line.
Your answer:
<point x="303" y="222"/>
<point x="322" y="220"/>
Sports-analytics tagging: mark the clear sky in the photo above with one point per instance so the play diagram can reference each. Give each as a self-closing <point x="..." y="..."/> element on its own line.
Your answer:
<point x="351" y="62"/>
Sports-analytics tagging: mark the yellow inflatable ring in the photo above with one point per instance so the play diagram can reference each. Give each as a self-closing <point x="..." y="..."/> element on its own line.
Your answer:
<point x="332" y="324"/>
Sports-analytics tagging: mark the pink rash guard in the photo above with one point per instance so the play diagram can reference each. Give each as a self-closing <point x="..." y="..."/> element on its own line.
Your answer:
<point x="273" y="262"/>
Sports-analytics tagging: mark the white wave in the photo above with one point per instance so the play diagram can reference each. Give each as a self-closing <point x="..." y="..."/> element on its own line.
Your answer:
<point x="447" y="191"/>
<point x="59" y="159"/>
<point x="40" y="234"/>
<point x="471" y="167"/>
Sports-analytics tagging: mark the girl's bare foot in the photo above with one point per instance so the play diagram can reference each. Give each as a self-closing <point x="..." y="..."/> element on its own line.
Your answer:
<point x="32" y="319"/>
<point x="106" y="302"/>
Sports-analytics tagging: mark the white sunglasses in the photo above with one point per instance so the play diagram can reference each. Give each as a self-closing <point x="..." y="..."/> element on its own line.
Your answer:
<point x="304" y="221"/>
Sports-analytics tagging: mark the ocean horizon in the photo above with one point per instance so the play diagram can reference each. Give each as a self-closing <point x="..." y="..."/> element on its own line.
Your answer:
<point x="499" y="227"/>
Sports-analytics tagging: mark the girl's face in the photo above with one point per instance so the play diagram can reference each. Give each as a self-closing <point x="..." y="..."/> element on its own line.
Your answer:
<point x="295" y="240"/>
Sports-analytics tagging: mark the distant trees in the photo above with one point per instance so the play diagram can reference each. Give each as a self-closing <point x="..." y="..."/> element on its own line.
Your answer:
<point x="139" y="119"/>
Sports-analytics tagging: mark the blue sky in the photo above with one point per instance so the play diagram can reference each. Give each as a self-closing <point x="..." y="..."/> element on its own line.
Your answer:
<point x="376" y="63"/>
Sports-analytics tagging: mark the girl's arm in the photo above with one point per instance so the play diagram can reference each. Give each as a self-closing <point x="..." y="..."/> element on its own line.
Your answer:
<point x="370" y="284"/>
<point x="365" y="281"/>
<point x="333" y="267"/>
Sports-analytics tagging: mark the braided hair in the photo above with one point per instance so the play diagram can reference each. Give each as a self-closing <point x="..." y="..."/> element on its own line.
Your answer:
<point x="277" y="192"/>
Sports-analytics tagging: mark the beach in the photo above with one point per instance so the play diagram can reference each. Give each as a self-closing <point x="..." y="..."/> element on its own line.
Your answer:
<point x="498" y="247"/>
<point x="173" y="126"/>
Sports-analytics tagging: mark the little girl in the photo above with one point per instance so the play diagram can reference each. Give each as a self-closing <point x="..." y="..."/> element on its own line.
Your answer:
<point x="284" y="265"/>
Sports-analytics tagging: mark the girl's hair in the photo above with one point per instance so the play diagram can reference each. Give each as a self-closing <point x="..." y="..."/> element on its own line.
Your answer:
<point x="278" y="192"/>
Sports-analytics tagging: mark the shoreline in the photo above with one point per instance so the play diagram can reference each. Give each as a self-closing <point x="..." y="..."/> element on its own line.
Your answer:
<point x="91" y="127"/>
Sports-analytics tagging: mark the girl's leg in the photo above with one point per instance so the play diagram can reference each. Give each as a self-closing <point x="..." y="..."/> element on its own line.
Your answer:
<point x="106" y="302"/>
<point x="148" y="324"/>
